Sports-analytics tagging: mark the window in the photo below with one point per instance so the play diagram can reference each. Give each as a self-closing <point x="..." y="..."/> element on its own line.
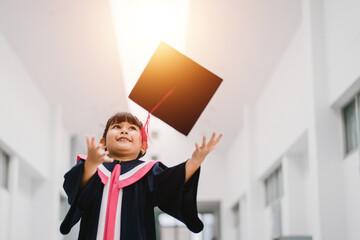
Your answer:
<point x="274" y="192"/>
<point x="169" y="228"/>
<point x="236" y="214"/>
<point x="350" y="116"/>
<point x="236" y="219"/>
<point x="63" y="208"/>
<point x="273" y="186"/>
<point x="209" y="224"/>
<point x="4" y="169"/>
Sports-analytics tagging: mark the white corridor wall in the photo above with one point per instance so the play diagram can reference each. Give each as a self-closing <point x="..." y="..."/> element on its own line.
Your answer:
<point x="31" y="131"/>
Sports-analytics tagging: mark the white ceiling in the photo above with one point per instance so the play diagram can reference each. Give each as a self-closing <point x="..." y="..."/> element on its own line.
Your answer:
<point x="69" y="48"/>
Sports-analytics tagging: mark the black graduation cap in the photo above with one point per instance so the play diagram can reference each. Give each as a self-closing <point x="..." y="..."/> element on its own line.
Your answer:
<point x="174" y="88"/>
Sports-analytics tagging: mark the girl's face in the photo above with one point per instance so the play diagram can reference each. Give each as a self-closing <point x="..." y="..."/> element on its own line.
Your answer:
<point x="123" y="140"/>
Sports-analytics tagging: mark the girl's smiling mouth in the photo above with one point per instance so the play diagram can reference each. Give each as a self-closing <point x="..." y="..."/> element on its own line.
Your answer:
<point x="123" y="139"/>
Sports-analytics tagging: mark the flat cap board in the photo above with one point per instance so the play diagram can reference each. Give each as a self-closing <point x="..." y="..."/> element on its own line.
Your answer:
<point x="187" y="85"/>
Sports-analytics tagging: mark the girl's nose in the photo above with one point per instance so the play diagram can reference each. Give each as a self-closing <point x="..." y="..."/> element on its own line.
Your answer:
<point x="124" y="131"/>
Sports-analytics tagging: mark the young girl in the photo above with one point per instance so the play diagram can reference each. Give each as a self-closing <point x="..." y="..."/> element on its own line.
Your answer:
<point x="114" y="193"/>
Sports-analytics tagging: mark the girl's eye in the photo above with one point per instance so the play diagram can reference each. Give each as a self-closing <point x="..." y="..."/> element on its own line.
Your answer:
<point x="132" y="128"/>
<point x="116" y="126"/>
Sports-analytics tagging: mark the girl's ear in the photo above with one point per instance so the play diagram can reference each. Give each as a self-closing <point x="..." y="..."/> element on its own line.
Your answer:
<point x="143" y="148"/>
<point x="102" y="141"/>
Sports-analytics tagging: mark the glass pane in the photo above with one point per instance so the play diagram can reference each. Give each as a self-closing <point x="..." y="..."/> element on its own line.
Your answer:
<point x="182" y="233"/>
<point x="4" y="169"/>
<point x="276" y="219"/>
<point x="7" y="161"/>
<point x="197" y="236"/>
<point x="209" y="227"/>
<point x="63" y="208"/>
<point x="209" y="221"/>
<point x="236" y="215"/>
<point x="276" y="184"/>
<point x="273" y="186"/>
<point x="174" y="233"/>
<point x="280" y="182"/>
<point x="350" y="127"/>
<point x="358" y="119"/>
<point x="267" y="192"/>
<point x="166" y="221"/>
<point x="269" y="189"/>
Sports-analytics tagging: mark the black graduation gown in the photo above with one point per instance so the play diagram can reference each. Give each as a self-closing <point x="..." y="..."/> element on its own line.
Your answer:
<point x="161" y="186"/>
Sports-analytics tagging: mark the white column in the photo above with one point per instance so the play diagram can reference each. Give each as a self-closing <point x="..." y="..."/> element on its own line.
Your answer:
<point x="255" y="190"/>
<point x="55" y="178"/>
<point x="324" y="138"/>
<point x="47" y="196"/>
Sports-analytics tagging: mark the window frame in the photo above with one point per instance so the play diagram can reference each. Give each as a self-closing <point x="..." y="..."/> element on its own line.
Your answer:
<point x="204" y="207"/>
<point x="356" y="100"/>
<point x="275" y="177"/>
<point x="5" y="159"/>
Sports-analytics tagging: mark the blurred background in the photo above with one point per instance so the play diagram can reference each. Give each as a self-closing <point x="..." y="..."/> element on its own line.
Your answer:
<point x="289" y="108"/>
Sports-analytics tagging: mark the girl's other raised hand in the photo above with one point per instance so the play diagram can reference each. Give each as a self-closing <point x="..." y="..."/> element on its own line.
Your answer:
<point x="96" y="152"/>
<point x="96" y="156"/>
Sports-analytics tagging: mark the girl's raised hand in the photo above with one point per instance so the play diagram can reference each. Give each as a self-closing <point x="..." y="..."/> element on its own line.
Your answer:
<point x="200" y="154"/>
<point x="202" y="151"/>
<point x="96" y="153"/>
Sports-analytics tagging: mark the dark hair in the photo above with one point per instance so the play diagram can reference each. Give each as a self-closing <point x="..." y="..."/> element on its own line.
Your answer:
<point x="127" y="117"/>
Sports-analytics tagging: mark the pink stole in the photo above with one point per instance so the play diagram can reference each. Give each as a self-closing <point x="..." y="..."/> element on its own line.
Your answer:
<point x="117" y="182"/>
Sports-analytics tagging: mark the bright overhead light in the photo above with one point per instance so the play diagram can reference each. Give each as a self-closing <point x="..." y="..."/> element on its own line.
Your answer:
<point x="141" y="25"/>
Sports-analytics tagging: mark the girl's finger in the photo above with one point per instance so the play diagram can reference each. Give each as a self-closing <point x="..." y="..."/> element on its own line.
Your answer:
<point x="93" y="142"/>
<point x="107" y="159"/>
<point x="100" y="146"/>
<point x="103" y="154"/>
<point x="87" y="141"/>
<point x="218" y="138"/>
<point x="204" y="142"/>
<point x="212" y="138"/>
<point x="213" y="147"/>
<point x="197" y="146"/>
<point x="214" y="142"/>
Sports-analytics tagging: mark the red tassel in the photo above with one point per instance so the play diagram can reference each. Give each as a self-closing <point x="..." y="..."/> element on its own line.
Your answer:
<point x="145" y="129"/>
<point x="145" y="133"/>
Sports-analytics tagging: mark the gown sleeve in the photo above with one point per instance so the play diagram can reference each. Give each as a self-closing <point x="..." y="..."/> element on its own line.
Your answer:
<point x="175" y="197"/>
<point x="78" y="199"/>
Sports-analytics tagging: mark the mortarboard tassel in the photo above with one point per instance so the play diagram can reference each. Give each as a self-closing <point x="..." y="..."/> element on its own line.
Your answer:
<point x="145" y="128"/>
